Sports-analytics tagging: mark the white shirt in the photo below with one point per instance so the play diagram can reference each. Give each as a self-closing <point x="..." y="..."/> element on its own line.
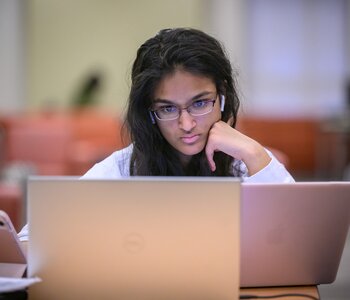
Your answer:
<point x="117" y="165"/>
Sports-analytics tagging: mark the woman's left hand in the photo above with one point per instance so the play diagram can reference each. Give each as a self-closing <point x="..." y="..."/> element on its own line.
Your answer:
<point x="222" y="137"/>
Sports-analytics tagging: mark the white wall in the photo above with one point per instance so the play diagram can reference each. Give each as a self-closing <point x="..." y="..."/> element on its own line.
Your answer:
<point x="64" y="40"/>
<point x="226" y="20"/>
<point x="292" y="56"/>
<point x="12" y="66"/>
<point x="297" y="58"/>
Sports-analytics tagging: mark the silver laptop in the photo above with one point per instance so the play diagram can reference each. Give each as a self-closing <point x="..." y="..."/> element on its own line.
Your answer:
<point x="293" y="234"/>
<point x="136" y="238"/>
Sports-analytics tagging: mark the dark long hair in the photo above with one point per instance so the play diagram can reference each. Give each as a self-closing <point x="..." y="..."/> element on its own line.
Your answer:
<point x="195" y="52"/>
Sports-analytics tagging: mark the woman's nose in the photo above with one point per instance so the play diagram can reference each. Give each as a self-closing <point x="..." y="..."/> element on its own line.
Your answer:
<point x="186" y="121"/>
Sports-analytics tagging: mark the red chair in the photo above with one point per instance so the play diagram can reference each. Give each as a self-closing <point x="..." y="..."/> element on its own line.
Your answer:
<point x="39" y="141"/>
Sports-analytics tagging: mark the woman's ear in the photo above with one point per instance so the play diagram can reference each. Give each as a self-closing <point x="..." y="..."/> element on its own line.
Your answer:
<point x="222" y="102"/>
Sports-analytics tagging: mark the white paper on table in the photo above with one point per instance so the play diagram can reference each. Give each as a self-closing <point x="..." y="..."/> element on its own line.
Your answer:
<point x="8" y="284"/>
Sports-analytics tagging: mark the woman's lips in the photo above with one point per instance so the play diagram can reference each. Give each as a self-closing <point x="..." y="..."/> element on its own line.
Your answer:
<point x="190" y="139"/>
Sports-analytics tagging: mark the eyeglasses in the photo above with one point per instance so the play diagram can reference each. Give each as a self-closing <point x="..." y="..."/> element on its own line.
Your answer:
<point x="197" y="108"/>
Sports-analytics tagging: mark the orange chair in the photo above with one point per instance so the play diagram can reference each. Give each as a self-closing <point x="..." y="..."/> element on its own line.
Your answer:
<point x="296" y="138"/>
<point x="61" y="143"/>
<point x="96" y="135"/>
<point x="39" y="141"/>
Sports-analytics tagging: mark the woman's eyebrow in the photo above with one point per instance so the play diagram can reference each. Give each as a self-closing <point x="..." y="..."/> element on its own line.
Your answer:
<point x="198" y="96"/>
<point x="159" y="100"/>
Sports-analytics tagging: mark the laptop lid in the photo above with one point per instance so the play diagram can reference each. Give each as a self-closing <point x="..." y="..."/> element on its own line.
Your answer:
<point x="293" y="234"/>
<point x="168" y="237"/>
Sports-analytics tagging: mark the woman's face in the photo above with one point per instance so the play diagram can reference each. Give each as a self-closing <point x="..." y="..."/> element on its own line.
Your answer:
<point x="187" y="134"/>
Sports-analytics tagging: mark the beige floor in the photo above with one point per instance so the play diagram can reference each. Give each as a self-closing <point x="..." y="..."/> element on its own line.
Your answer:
<point x="340" y="289"/>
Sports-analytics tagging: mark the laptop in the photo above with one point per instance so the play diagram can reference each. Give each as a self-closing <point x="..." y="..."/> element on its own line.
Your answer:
<point x="137" y="238"/>
<point x="293" y="234"/>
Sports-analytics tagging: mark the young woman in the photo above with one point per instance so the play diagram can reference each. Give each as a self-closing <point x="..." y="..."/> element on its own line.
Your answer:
<point x="181" y="116"/>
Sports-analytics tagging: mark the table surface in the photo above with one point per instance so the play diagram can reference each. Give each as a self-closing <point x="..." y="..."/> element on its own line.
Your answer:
<point x="295" y="292"/>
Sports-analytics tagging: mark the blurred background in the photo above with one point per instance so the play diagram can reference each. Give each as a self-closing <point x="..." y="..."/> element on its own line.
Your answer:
<point x="65" y="75"/>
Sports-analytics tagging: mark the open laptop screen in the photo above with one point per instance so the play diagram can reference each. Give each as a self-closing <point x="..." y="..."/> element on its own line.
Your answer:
<point x="293" y="234"/>
<point x="149" y="236"/>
